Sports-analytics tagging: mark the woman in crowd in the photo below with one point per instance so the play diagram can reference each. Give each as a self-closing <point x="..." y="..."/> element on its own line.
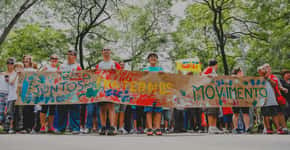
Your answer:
<point x="49" y="110"/>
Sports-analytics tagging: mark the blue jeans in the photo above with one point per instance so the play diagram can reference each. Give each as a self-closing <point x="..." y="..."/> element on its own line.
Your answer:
<point x="65" y="111"/>
<point x="93" y="110"/>
<point x="3" y="98"/>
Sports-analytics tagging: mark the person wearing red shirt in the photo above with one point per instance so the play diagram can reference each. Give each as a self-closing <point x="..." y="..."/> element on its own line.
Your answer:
<point x="227" y="118"/>
<point x="280" y="99"/>
<point x="213" y="112"/>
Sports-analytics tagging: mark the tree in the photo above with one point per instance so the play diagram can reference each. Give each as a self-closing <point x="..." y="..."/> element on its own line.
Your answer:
<point x="143" y="29"/>
<point x="84" y="16"/>
<point x="23" y="8"/>
<point x="273" y="26"/>
<point x="218" y="21"/>
<point x="40" y="42"/>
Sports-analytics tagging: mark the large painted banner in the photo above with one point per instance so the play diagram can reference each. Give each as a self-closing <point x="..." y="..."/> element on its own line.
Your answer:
<point x="139" y="88"/>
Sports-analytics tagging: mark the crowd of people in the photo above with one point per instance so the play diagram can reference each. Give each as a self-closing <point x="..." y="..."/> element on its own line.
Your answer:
<point x="107" y="118"/>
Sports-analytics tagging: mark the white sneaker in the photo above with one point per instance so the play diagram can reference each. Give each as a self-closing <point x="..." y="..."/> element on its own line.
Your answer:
<point x="225" y="130"/>
<point x="86" y="131"/>
<point x="133" y="131"/>
<point x="82" y="130"/>
<point x="214" y="130"/>
<point x="122" y="131"/>
<point x="285" y="130"/>
<point x="11" y="131"/>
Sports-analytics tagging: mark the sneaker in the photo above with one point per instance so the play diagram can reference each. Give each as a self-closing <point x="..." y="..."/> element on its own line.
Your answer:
<point x="112" y="131"/>
<point x="158" y="132"/>
<point x="42" y="130"/>
<point x="214" y="130"/>
<point x="280" y="131"/>
<point x="285" y="130"/>
<point x="226" y="130"/>
<point x="133" y="131"/>
<point x="82" y="130"/>
<point x="23" y="131"/>
<point x="166" y="130"/>
<point x="75" y="132"/>
<point x="122" y="131"/>
<point x="248" y="131"/>
<point x="33" y="131"/>
<point x="56" y="131"/>
<point x="51" y="130"/>
<point x="11" y="131"/>
<point x="171" y="130"/>
<point x="267" y="131"/>
<point x="145" y="130"/>
<point x="149" y="132"/>
<point x="95" y="131"/>
<point x="87" y="131"/>
<point x="236" y="131"/>
<point x="102" y="131"/>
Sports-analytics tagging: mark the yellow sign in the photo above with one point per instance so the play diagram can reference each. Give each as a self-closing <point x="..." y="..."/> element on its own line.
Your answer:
<point x="189" y="65"/>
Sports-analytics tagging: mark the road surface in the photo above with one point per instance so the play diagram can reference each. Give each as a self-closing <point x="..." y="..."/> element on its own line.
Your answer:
<point x="183" y="141"/>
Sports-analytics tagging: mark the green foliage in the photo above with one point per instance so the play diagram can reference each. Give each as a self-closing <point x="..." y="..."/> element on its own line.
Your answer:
<point x="40" y="42"/>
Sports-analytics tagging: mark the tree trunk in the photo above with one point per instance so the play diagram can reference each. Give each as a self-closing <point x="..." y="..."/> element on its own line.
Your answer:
<point x="81" y="55"/>
<point x="224" y="58"/>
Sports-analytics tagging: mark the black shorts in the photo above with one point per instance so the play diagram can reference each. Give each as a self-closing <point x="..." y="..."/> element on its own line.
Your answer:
<point x="213" y="111"/>
<point x="245" y="110"/>
<point x="270" y="110"/>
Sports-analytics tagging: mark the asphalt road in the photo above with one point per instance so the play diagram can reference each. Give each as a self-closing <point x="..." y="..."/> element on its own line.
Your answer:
<point x="143" y="142"/>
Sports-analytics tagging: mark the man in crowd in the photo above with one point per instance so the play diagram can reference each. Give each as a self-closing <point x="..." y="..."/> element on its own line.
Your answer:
<point x="107" y="107"/>
<point x="213" y="112"/>
<point x="72" y="110"/>
<point x="285" y="81"/>
<point x="278" y="88"/>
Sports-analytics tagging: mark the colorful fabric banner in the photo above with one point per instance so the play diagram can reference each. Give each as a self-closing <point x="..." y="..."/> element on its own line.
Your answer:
<point x="139" y="88"/>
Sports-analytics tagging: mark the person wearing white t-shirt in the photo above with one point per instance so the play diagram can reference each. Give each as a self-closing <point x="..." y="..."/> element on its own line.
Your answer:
<point x="12" y="93"/>
<point x="4" y="78"/>
<point x="50" y="109"/>
<point x="69" y="111"/>
<point x="26" y="113"/>
<point x="107" y="107"/>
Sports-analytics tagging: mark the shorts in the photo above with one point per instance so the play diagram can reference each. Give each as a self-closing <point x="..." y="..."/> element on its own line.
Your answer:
<point x="153" y="109"/>
<point x="213" y="111"/>
<point x="245" y="110"/>
<point x="270" y="110"/>
<point x="166" y="115"/>
<point x="10" y="110"/>
<point x="120" y="108"/>
<point x="228" y="118"/>
<point x="48" y="108"/>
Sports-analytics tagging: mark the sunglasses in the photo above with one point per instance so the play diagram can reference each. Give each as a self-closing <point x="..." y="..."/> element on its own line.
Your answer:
<point x="106" y="50"/>
<point x="10" y="63"/>
<point x="71" y="54"/>
<point x="54" y="58"/>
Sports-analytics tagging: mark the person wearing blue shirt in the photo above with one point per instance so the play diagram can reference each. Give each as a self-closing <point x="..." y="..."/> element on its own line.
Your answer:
<point x="153" y="60"/>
